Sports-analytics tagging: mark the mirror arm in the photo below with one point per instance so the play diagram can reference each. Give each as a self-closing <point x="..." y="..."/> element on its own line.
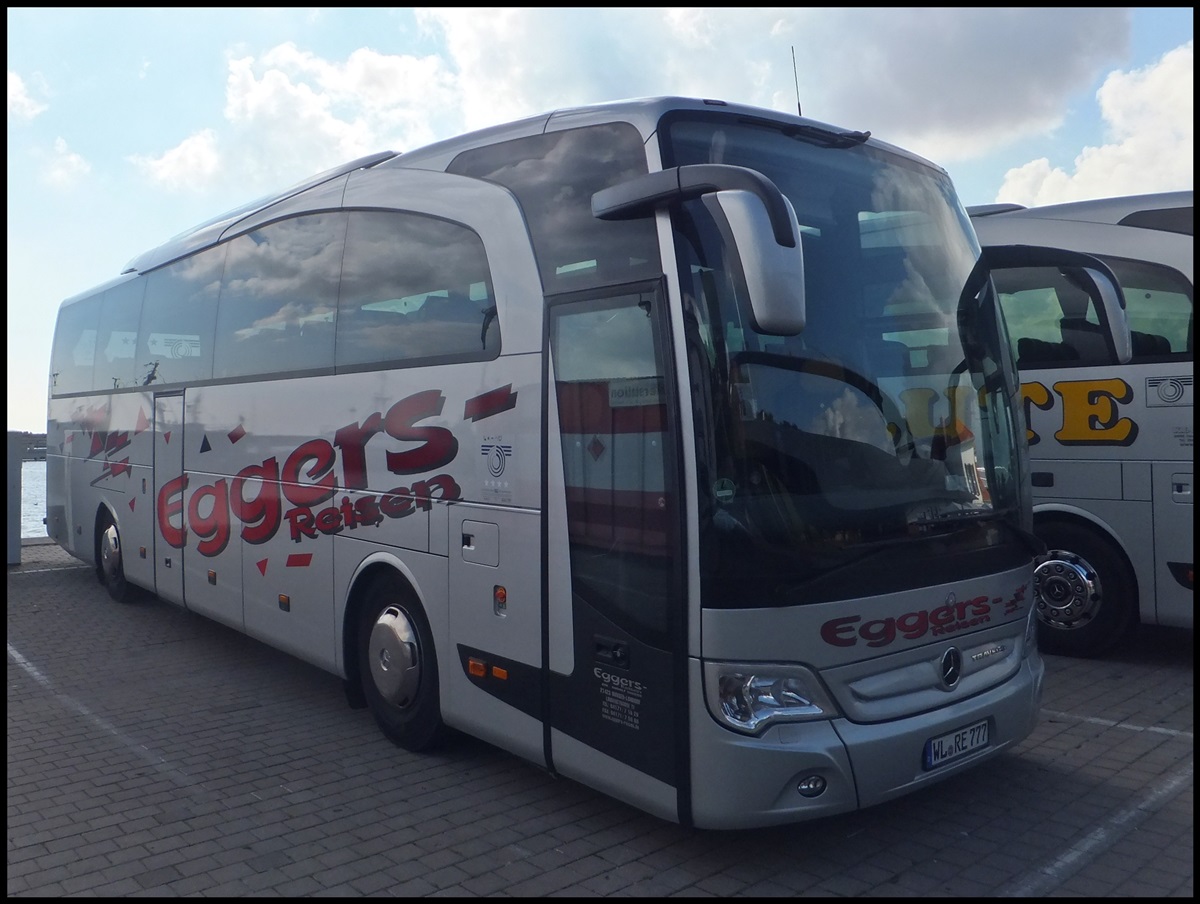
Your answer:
<point x="641" y="196"/>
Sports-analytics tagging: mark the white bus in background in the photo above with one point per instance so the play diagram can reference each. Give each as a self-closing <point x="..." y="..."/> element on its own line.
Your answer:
<point x="673" y="445"/>
<point x="1111" y="444"/>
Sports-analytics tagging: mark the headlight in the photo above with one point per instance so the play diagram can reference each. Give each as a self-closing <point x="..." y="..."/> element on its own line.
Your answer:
<point x="748" y="697"/>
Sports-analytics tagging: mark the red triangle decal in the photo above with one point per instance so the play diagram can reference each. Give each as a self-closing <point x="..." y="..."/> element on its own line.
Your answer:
<point x="262" y="567"/>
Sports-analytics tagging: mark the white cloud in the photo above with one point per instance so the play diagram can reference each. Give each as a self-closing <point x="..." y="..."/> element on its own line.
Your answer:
<point x="186" y="167"/>
<point x="64" y="168"/>
<point x="946" y="82"/>
<point x="949" y="83"/>
<point x="517" y="62"/>
<point x="952" y="83"/>
<point x="20" y="104"/>
<point x="1148" y="118"/>
<point x="292" y="111"/>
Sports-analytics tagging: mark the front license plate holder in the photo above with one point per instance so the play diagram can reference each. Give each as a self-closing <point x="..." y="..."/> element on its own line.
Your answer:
<point x="954" y="745"/>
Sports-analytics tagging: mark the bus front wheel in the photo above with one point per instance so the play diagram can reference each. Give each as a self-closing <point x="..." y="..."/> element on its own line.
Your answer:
<point x="110" y="567"/>
<point x="1085" y="592"/>
<point x="398" y="666"/>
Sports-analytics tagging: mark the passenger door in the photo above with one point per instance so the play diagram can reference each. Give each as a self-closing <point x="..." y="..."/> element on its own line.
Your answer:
<point x="615" y="602"/>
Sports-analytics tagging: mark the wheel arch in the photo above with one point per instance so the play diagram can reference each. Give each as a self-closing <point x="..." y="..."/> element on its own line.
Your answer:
<point x="105" y="514"/>
<point x="374" y="564"/>
<point x="1069" y="514"/>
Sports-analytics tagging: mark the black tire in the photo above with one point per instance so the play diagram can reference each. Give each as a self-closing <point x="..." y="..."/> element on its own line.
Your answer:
<point x="397" y="665"/>
<point x="110" y="565"/>
<point x="1085" y="592"/>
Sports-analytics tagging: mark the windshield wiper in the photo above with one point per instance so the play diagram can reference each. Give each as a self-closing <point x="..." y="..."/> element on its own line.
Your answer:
<point x="826" y="137"/>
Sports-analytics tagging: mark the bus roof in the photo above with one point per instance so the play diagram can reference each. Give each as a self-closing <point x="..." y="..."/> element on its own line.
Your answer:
<point x="209" y="232"/>
<point x="1171" y="211"/>
<point x="644" y="113"/>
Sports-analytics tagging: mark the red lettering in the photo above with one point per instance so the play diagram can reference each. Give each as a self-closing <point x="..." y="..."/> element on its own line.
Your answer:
<point x="397" y="503"/>
<point x="213" y="528"/>
<point x="942" y="615"/>
<point x="945" y="619"/>
<point x="366" y="511"/>
<point x="320" y="453"/>
<point x="261" y="515"/>
<point x="878" y="633"/>
<point x="170" y="505"/>
<point x="443" y="486"/>
<point x="329" y="520"/>
<point x="913" y="624"/>
<point x="438" y="445"/>
<point x="839" y="632"/>
<point x="301" y="524"/>
<point x="352" y="440"/>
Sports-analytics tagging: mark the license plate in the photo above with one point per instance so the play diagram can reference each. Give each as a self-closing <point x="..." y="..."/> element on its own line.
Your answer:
<point x="955" y="744"/>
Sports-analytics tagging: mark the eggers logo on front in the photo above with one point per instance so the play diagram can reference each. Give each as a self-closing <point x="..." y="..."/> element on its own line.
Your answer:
<point x="617" y="681"/>
<point x="301" y="491"/>
<point x="953" y="615"/>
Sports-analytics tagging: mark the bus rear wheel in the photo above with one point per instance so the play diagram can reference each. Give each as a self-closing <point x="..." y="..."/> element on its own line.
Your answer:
<point x="1085" y="592"/>
<point x="110" y="568"/>
<point x="398" y="666"/>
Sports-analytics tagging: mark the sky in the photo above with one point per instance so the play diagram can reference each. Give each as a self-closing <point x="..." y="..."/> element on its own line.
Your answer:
<point x="129" y="126"/>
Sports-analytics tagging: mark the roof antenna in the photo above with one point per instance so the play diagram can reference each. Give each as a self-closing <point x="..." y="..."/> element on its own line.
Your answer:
<point x="796" y="75"/>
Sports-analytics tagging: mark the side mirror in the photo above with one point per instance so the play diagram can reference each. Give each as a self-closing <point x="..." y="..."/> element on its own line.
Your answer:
<point x="1088" y="272"/>
<point x="756" y="220"/>
<point x="1106" y="293"/>
<point x="773" y="274"/>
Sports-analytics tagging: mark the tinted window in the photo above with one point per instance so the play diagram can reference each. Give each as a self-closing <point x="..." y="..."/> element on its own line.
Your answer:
<point x="116" y="345"/>
<point x="613" y="414"/>
<point x="1053" y="323"/>
<point x="279" y="297"/>
<point x="74" y="348"/>
<point x="175" y="339"/>
<point x="1159" y="303"/>
<point x="413" y="288"/>
<point x="554" y="177"/>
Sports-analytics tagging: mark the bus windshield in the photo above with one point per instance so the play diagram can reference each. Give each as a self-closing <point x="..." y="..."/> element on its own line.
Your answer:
<point x="854" y="457"/>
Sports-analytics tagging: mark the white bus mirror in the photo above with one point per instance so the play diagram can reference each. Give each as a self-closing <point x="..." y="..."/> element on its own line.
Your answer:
<point x="773" y="274"/>
<point x="756" y="220"/>
<point x="1110" y="303"/>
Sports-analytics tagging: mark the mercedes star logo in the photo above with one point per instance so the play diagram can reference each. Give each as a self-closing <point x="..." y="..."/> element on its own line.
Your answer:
<point x="952" y="664"/>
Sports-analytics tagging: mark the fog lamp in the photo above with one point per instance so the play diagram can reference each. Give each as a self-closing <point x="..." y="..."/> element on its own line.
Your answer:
<point x="811" y="786"/>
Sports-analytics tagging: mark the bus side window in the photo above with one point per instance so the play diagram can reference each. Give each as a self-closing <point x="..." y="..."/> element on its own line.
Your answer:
<point x="74" y="348"/>
<point x="279" y="296"/>
<point x="1033" y="314"/>
<point x="1033" y="352"/>
<point x="175" y="337"/>
<point x="414" y="288"/>
<point x="554" y="176"/>
<point x="1052" y="323"/>
<point x="116" y="341"/>
<point x="1159" y="303"/>
<point x="1080" y="326"/>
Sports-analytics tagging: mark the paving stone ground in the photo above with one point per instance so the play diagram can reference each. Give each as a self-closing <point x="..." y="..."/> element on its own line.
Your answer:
<point x="152" y="752"/>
